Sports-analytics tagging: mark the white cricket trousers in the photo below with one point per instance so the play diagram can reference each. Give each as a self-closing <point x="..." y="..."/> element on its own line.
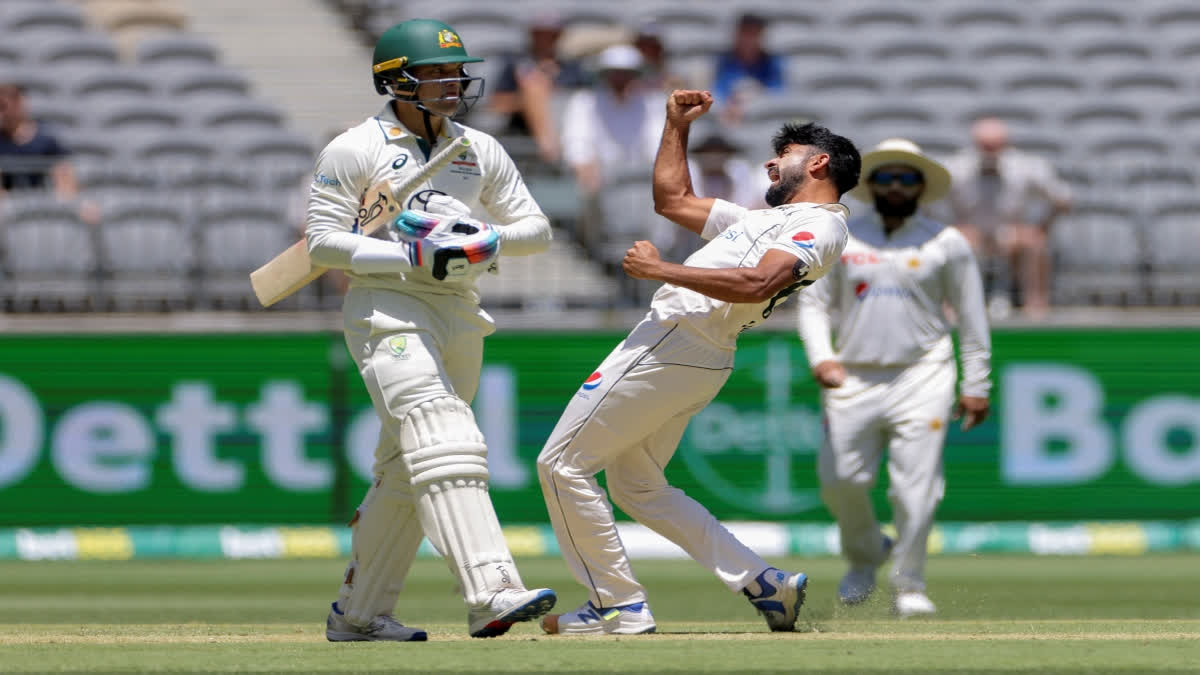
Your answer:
<point x="409" y="351"/>
<point x="905" y="410"/>
<point x="627" y="421"/>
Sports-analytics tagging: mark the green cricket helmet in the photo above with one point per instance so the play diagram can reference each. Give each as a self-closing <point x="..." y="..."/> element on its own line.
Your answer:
<point x="421" y="42"/>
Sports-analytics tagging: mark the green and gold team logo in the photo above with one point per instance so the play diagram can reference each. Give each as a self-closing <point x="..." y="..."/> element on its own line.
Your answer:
<point x="762" y="458"/>
<point x="447" y="39"/>
<point x="398" y="344"/>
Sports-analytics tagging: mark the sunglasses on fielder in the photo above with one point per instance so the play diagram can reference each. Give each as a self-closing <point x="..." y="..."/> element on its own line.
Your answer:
<point x="905" y="178"/>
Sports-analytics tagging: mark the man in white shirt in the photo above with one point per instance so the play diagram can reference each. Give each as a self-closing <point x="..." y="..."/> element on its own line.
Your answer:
<point x="890" y="378"/>
<point x="416" y="333"/>
<point x="995" y="186"/>
<point x="628" y="416"/>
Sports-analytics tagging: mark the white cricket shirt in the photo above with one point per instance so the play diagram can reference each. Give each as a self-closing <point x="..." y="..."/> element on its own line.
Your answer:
<point x="888" y="295"/>
<point x="739" y="237"/>
<point x="381" y="148"/>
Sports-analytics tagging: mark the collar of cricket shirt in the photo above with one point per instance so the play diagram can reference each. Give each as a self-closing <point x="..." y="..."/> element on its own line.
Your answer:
<point x="393" y="130"/>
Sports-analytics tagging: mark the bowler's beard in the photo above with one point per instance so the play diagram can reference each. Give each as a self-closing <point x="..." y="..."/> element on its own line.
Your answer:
<point x="780" y="192"/>
<point x="889" y="209"/>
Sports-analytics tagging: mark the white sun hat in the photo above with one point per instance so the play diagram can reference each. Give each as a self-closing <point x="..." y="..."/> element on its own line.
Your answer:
<point x="902" y="151"/>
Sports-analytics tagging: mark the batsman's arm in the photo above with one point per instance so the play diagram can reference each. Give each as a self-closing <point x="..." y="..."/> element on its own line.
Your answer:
<point x="524" y="228"/>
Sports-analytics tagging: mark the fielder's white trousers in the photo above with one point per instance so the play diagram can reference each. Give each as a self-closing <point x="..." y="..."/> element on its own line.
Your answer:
<point x="629" y="426"/>
<point x="904" y="410"/>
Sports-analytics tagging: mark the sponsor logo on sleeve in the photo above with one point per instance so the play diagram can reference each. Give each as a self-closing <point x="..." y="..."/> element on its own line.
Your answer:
<point x="803" y="239"/>
<point x="594" y="380"/>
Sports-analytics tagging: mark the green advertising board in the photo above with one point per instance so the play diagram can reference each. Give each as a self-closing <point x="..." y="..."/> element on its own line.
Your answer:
<point x="195" y="429"/>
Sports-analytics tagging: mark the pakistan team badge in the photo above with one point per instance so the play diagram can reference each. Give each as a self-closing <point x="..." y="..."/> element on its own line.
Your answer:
<point x="398" y="344"/>
<point x="760" y="455"/>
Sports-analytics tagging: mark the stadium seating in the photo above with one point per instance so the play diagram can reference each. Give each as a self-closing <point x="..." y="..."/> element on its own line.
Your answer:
<point x="1104" y="88"/>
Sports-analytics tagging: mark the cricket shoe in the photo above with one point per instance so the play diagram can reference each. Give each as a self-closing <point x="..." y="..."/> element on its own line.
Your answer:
<point x="508" y="606"/>
<point x="778" y="597"/>
<point x="382" y="628"/>
<point x="859" y="582"/>
<point x="633" y="619"/>
<point x="913" y="603"/>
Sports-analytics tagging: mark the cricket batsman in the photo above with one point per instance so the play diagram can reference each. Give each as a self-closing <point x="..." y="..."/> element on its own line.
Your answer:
<point x="415" y="329"/>
<point x="889" y="381"/>
<point x="629" y="415"/>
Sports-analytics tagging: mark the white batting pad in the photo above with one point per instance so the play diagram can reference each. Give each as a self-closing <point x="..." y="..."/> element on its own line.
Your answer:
<point x="445" y="454"/>
<point x="387" y="534"/>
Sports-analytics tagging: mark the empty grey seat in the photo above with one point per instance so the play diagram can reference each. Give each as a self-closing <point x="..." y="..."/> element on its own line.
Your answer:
<point x="233" y="244"/>
<point x="971" y="22"/>
<point x="1171" y="22"/>
<point x="41" y="18"/>
<point x="785" y="107"/>
<point x="173" y="146"/>
<point x="1084" y="15"/>
<point x="86" y="143"/>
<point x="147" y="254"/>
<point x="94" y="84"/>
<point x="137" y="114"/>
<point x="80" y="49"/>
<point x="1042" y="82"/>
<point x="1101" y="112"/>
<point x="48" y="255"/>
<point x="803" y="52"/>
<point x="1010" y="52"/>
<point x="193" y="80"/>
<point x="1093" y="51"/>
<point x="1173" y="251"/>
<point x="878" y="17"/>
<point x="838" y="82"/>
<point x="1097" y="255"/>
<point x="235" y="114"/>
<point x="1141" y="82"/>
<point x="892" y="114"/>
<point x="909" y="50"/>
<point x="57" y="113"/>
<point x="940" y="80"/>
<point x="176" y="48"/>
<point x="278" y="156"/>
<point x="35" y="79"/>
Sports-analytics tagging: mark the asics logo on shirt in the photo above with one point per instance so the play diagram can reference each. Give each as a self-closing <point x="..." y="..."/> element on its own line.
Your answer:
<point x="400" y="160"/>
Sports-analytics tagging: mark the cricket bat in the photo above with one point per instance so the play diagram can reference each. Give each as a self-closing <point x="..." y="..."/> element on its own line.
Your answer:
<point x="292" y="270"/>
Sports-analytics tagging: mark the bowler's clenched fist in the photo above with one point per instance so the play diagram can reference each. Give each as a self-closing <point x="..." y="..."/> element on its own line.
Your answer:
<point x="685" y="106"/>
<point x="641" y="260"/>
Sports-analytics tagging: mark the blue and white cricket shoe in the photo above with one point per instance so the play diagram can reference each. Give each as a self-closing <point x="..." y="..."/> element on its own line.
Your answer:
<point x="507" y="607"/>
<point x="634" y="619"/>
<point x="382" y="628"/>
<point x="778" y="596"/>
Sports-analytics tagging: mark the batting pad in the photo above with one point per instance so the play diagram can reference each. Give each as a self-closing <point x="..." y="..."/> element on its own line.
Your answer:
<point x="447" y="460"/>
<point x="387" y="534"/>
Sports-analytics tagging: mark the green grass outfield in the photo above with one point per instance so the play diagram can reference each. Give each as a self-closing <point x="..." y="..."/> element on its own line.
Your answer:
<point x="998" y="613"/>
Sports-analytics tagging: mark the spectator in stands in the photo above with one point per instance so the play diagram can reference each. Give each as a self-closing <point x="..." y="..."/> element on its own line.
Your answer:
<point x="994" y="188"/>
<point x="746" y="68"/>
<point x="657" y="72"/>
<point x="610" y="129"/>
<point x="529" y="83"/>
<point x="31" y="158"/>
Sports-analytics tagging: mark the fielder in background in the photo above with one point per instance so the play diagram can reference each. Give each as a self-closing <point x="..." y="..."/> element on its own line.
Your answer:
<point x="890" y="380"/>
<point x="414" y="327"/>
<point x="629" y="415"/>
